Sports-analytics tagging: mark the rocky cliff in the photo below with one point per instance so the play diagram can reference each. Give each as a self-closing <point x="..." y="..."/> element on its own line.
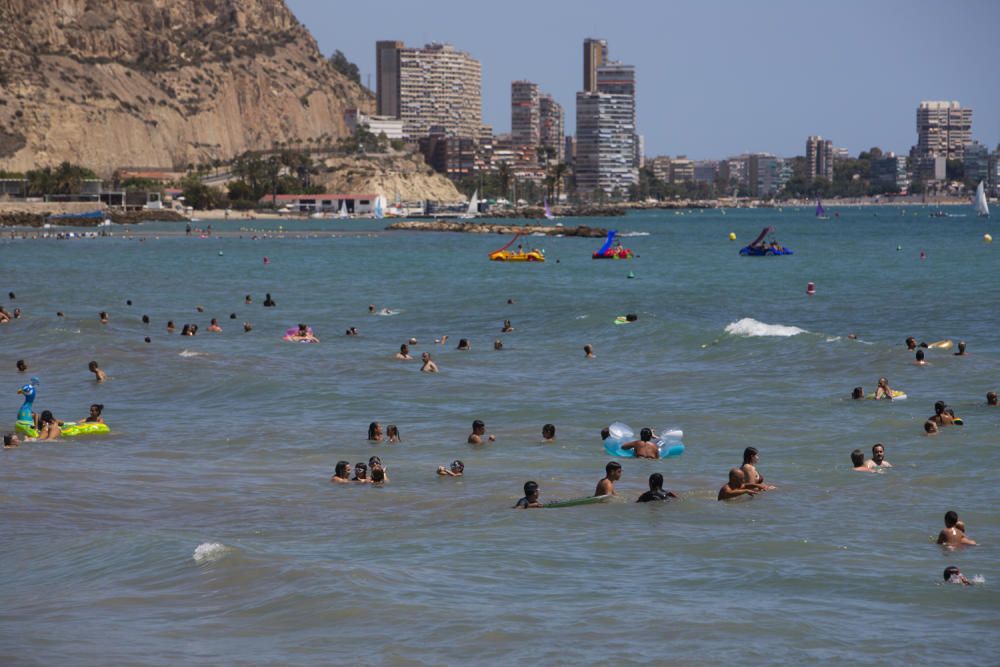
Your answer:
<point x="407" y="175"/>
<point x="160" y="83"/>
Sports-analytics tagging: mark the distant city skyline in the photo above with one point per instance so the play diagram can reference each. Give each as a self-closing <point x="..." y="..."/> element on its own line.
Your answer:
<point x="718" y="78"/>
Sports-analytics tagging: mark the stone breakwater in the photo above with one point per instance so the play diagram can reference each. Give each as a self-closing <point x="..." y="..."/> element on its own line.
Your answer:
<point x="585" y="211"/>
<point x="31" y="219"/>
<point x="491" y="228"/>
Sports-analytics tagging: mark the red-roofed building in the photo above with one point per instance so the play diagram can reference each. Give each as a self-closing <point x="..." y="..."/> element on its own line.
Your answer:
<point x="325" y="203"/>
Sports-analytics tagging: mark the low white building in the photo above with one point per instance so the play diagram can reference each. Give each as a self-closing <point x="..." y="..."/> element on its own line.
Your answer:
<point x="325" y="203"/>
<point x="393" y="127"/>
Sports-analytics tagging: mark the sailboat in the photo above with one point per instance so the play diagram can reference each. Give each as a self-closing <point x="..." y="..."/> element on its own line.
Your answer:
<point x="342" y="212"/>
<point x="379" y="212"/>
<point x="473" y="210"/>
<point x="548" y="211"/>
<point x="820" y="213"/>
<point x="982" y="208"/>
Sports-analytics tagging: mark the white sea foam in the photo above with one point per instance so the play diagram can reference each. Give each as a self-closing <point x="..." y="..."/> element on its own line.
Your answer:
<point x="386" y="312"/>
<point x="191" y="353"/>
<point x="628" y="234"/>
<point x="977" y="579"/>
<point x="207" y="552"/>
<point x="752" y="328"/>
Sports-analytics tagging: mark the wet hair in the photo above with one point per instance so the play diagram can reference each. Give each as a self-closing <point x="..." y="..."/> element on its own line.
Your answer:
<point x="214" y="321"/>
<point x="920" y="355"/>
<point x="951" y="571"/>
<point x="950" y="518"/>
<point x="92" y="365"/>
<point x="463" y="344"/>
<point x="22" y="365"/>
<point x="961" y="346"/>
<point x="404" y="348"/>
<point x="991" y="398"/>
<point x="498" y="344"/>
<point x="128" y="302"/>
<point x="374" y="460"/>
<point x="930" y="427"/>
<point x="378" y="475"/>
<point x="103" y="315"/>
<point x="391" y="430"/>
<point x="361" y="468"/>
<point x="655" y="481"/>
<point x="588" y="348"/>
<point x="47" y="418"/>
<point x="303" y="328"/>
<point x="98" y="407"/>
<point x="748" y="454"/>
<point x="148" y="339"/>
<point x="738" y="474"/>
<point x="612" y="465"/>
<point x="374" y="426"/>
<point x="605" y="433"/>
<point x="8" y="439"/>
<point x="858" y="458"/>
<point x="342" y="469"/>
<point x="646" y="434"/>
<point x="939" y="407"/>
<point x="145" y="319"/>
<point x="170" y="324"/>
<point x="530" y="488"/>
<point x="549" y="431"/>
<point x="909" y="340"/>
<point x="478" y="424"/>
<point x="232" y="316"/>
<point x="457" y="465"/>
<point x="878" y="444"/>
<point x="858" y="393"/>
<point x="631" y="317"/>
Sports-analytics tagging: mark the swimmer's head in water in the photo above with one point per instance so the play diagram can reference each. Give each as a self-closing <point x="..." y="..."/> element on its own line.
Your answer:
<point x="96" y="409"/>
<point x="392" y="431"/>
<point x="374" y="461"/>
<point x="736" y="477"/>
<point x="605" y="433"/>
<point x="378" y="475"/>
<point x="23" y="366"/>
<point x="920" y="355"/>
<point x="463" y="344"/>
<point x="951" y="571"/>
<point x="911" y="342"/>
<point x="613" y="468"/>
<point x="303" y="329"/>
<point x="404" y="349"/>
<point x="939" y="407"/>
<point x="531" y="490"/>
<point x="655" y="481"/>
<point x="878" y="452"/>
<point x="858" y="393"/>
<point x="930" y="427"/>
<point x="342" y="469"/>
<point x="374" y="431"/>
<point x="961" y="346"/>
<point x="858" y="458"/>
<point x="646" y="434"/>
<point x="749" y="453"/>
<point x="549" y="431"/>
<point x="478" y="426"/>
<point x="950" y="518"/>
<point x="457" y="466"/>
<point x="360" y="469"/>
<point x="991" y="398"/>
<point x="47" y="417"/>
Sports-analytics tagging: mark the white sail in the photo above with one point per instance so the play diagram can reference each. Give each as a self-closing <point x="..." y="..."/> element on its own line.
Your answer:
<point x="982" y="208"/>
<point x="379" y="210"/>
<point x="342" y="213"/>
<point x="473" y="209"/>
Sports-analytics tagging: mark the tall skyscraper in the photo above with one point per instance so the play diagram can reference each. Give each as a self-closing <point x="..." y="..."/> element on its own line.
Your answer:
<point x="550" y="115"/>
<point x="387" y="78"/>
<point x="819" y="159"/>
<point x="525" y="123"/>
<point x="605" y="142"/>
<point x="943" y="129"/>
<point x="438" y="87"/>
<point x="595" y="54"/>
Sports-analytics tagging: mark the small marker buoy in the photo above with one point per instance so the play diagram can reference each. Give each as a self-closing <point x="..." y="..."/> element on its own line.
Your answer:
<point x="923" y="255"/>
<point x="810" y="288"/>
<point x="732" y="236"/>
<point x="899" y="248"/>
<point x="220" y="253"/>
<point x="266" y="260"/>
<point x="631" y="275"/>
<point x="987" y="238"/>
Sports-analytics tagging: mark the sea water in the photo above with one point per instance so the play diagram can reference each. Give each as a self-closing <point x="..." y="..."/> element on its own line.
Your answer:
<point x="204" y="529"/>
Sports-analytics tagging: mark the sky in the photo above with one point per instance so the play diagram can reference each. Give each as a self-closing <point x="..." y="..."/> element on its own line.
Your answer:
<point x="713" y="77"/>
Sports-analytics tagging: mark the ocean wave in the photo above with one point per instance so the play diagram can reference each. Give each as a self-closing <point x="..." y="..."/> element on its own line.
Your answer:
<point x="208" y="552"/>
<point x="751" y="328"/>
<point x="387" y="312"/>
<point x="191" y="353"/>
<point x="628" y="234"/>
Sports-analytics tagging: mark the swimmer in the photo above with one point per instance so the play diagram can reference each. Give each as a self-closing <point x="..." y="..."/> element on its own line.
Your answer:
<point x="10" y="441"/>
<point x="95" y="414"/>
<point x="200" y="309"/>
<point x="478" y="431"/>
<point x="953" y="575"/>
<point x="371" y="307"/>
<point x="145" y="319"/>
<point x="507" y="327"/>
<point x="919" y="358"/>
<point x="498" y="344"/>
<point x="942" y="415"/>
<point x="268" y="301"/>
<point x="463" y="344"/>
<point x="735" y="486"/>
<point x="60" y="314"/>
<point x="186" y="330"/>
<point x="510" y="302"/>
<point x="378" y="470"/>
<point x="147" y="339"/>
<point x="404" y="353"/>
<point x="247" y="327"/>
<point x="930" y="427"/>
<point x="428" y="365"/>
<point x="100" y="375"/>
<point x="104" y="317"/>
<point x="232" y="316"/>
<point x="549" y="433"/>
<point x="644" y="447"/>
<point x="48" y="426"/>
<point x="911" y="343"/>
<point x="858" y="393"/>
<point x="858" y="461"/>
<point x="588" y="351"/>
<point x="961" y="349"/>
<point x="303" y="335"/>
<point x="951" y="536"/>
<point x="753" y="479"/>
<point x="361" y="473"/>
<point x="170" y="326"/>
<point x="530" y="499"/>
<point x="22" y="366"/>
<point x="612" y="473"/>
<point x="392" y="433"/>
<point x="342" y="473"/>
<point x="379" y="477"/>
<point x="353" y="331"/>
<point x="214" y="327"/>
<point x="656" y="491"/>
<point x="991" y="399"/>
<point x="11" y="296"/>
<point x="411" y="341"/>
<point x="878" y="457"/>
<point x="248" y="299"/>
<point x="456" y="469"/>
<point x="883" y="390"/>
<point x="374" y="432"/>
<point x="17" y="313"/>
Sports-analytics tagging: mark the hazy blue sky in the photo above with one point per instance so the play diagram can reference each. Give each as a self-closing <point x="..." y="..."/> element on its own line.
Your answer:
<point x="714" y="77"/>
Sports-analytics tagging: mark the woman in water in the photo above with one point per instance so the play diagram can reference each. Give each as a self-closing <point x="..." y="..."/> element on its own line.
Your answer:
<point x="342" y="473"/>
<point x="392" y="433"/>
<point x="374" y="432"/>
<point x="361" y="473"/>
<point x="883" y="390"/>
<point x="48" y="426"/>
<point x="95" y="414"/>
<point x="754" y="480"/>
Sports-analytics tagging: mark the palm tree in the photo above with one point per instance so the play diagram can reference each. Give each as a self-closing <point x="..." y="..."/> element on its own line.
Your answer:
<point x="504" y="174"/>
<point x="559" y="173"/>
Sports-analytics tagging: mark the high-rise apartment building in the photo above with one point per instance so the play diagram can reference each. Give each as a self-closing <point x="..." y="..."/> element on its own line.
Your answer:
<point x="605" y="142"/>
<point x="438" y="87"/>
<point x="943" y="129"/>
<point x="767" y="174"/>
<point x="819" y="159"/>
<point x="890" y="171"/>
<point x="525" y="123"/>
<point x="976" y="162"/>
<point x="387" y="78"/>
<point x="553" y="122"/>
<point x="595" y="54"/>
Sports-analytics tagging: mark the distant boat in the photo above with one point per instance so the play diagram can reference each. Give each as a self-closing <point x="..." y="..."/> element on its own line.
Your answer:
<point x="820" y="213"/>
<point x="982" y="208"/>
<point x="342" y="211"/>
<point x="379" y="211"/>
<point x="548" y="211"/>
<point x="473" y="209"/>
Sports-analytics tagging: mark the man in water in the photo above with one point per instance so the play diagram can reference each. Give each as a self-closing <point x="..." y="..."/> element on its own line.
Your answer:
<point x="991" y="399"/>
<point x="951" y="535"/>
<point x="930" y="427"/>
<point x="858" y="393"/>
<point x="22" y="366"/>
<point x="588" y="350"/>
<point x="735" y="486"/>
<point x="10" y="440"/>
<point x="100" y="375"/>
<point x="953" y="575"/>
<point x="530" y="499"/>
<point x="644" y="447"/>
<point x="961" y="349"/>
<point x="612" y="473"/>
<point x="858" y="461"/>
<point x="656" y="491"/>
<point x="478" y="431"/>
<point x="549" y="433"/>
<point x="429" y="366"/>
<point x="941" y="417"/>
<point x="404" y="352"/>
<point x="456" y="469"/>
<point x="919" y="358"/>
<point x="878" y="458"/>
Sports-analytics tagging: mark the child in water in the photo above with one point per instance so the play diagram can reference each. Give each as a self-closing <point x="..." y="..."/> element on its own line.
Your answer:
<point x="95" y="414"/>
<point x="530" y="499"/>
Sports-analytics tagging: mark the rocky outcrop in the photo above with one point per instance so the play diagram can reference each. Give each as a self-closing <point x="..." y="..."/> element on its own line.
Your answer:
<point x="582" y="211"/>
<point x="488" y="228"/>
<point x="128" y="83"/>
<point x="404" y="173"/>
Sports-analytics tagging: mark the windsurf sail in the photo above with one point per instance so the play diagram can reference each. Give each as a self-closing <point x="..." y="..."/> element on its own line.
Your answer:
<point x="982" y="208"/>
<point x="607" y="244"/>
<point x="820" y="213"/>
<point x="548" y="211"/>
